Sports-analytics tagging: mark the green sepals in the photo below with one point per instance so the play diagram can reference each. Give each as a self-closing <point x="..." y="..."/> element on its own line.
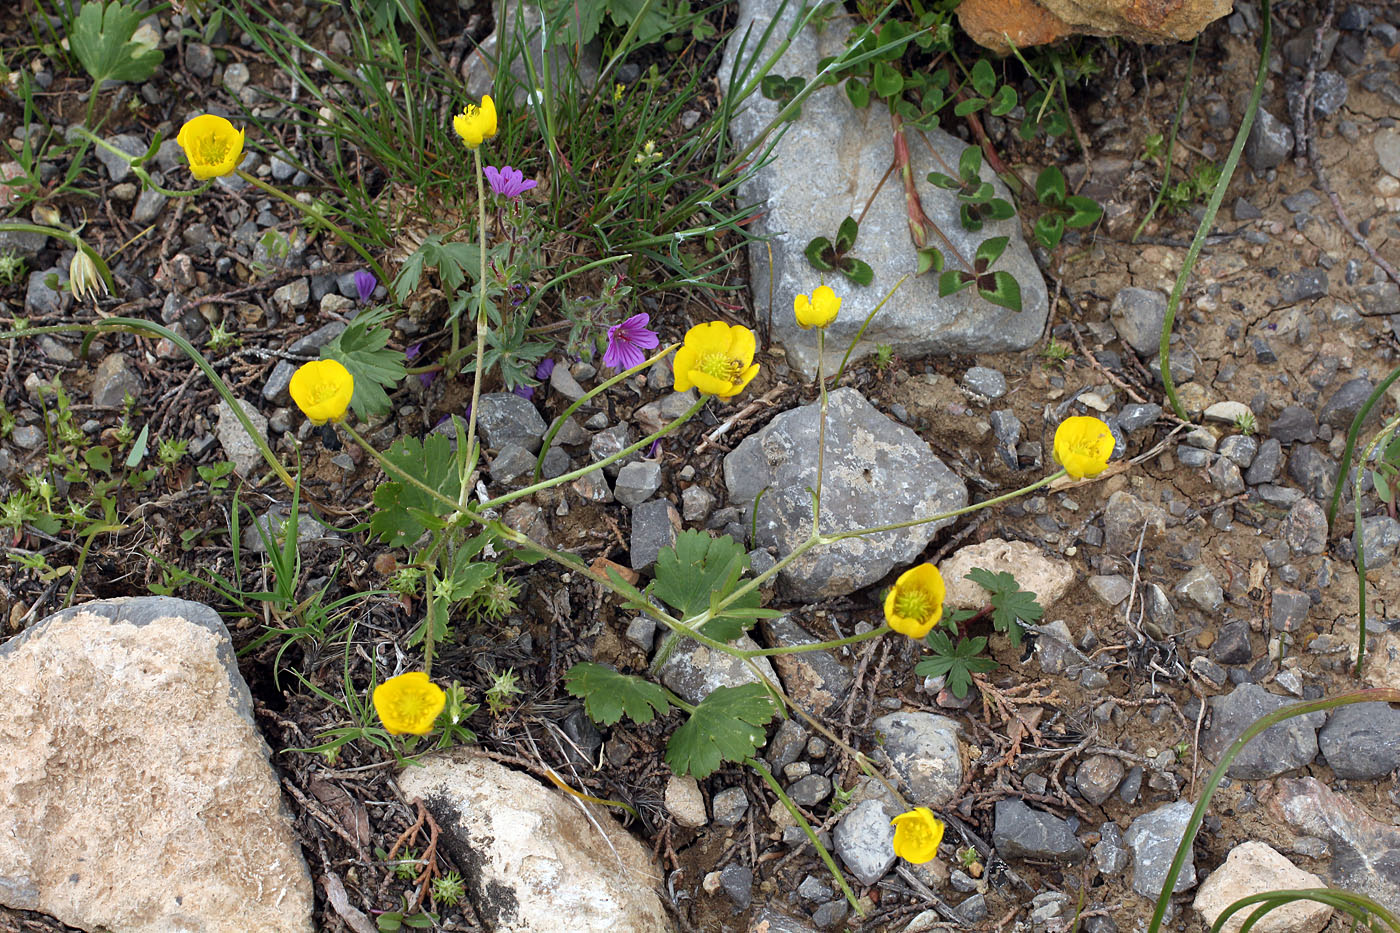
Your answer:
<point x="858" y="93"/>
<point x="699" y="571"/>
<point x="104" y="40"/>
<point x="726" y="726"/>
<point x="608" y="696"/>
<point x="930" y="259"/>
<point x="1011" y="606"/>
<point x="363" y="349"/>
<point x="404" y="512"/>
<point x="957" y="663"/>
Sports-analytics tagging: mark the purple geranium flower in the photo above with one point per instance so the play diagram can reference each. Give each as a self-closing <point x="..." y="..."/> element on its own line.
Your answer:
<point x="507" y="181"/>
<point x="365" y="284"/>
<point x="627" y="340"/>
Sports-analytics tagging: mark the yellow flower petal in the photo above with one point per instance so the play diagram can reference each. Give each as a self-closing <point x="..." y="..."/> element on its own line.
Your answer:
<point x="682" y="364"/>
<point x="1083" y="446"/>
<point x="322" y="390"/>
<point x="917" y="834"/>
<point x="212" y="145"/>
<point x="915" y="604"/>
<point x="717" y="359"/>
<point x="409" y="703"/>
<point x="819" y="310"/>
<point x="476" y="122"/>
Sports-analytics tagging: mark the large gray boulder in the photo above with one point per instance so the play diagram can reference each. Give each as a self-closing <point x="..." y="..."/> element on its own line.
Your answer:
<point x="825" y="167"/>
<point x="877" y="472"/>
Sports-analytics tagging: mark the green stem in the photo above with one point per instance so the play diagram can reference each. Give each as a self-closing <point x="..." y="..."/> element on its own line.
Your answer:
<point x="813" y="646"/>
<point x="1359" y="536"/>
<point x="597" y="390"/>
<point x="340" y="232"/>
<point x="480" y="308"/>
<point x="1355" y="431"/>
<point x="1217" y="196"/>
<point x="585" y="470"/>
<point x="1183" y="850"/>
<point x="429" y="626"/>
<point x="139" y="171"/>
<point x="398" y="472"/>
<point x="811" y="833"/>
<point x="864" y="324"/>
<point x="69" y="237"/>
<point x="821" y="437"/>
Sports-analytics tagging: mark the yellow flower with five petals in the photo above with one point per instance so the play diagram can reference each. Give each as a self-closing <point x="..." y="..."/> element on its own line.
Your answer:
<point x="212" y="144"/>
<point x="717" y="359"/>
<point x="915" y="604"/>
<point x="917" y="834"/>
<point x="1083" y="446"/>
<point x="322" y="390"/>
<point x="818" y="310"/>
<point x="409" y="704"/>
<point x="476" y="122"/>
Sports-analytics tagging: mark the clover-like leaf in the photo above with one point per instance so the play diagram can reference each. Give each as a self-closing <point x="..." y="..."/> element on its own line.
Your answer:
<point x="1085" y="212"/>
<point x="1004" y="102"/>
<point x="990" y="250"/>
<point x="726" y="726"/>
<point x="930" y="259"/>
<point x="984" y="79"/>
<point x="857" y="271"/>
<point x="1050" y="229"/>
<point x="858" y="93"/>
<point x="820" y="254"/>
<point x="608" y="696"/>
<point x="970" y="164"/>
<point x="953" y="280"/>
<point x="1050" y="186"/>
<point x="846" y="235"/>
<point x="938" y="179"/>
<point x="1005" y="291"/>
<point x="887" y="81"/>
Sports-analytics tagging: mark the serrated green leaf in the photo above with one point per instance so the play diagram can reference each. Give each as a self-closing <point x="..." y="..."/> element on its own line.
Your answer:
<point x="430" y="460"/>
<point x="857" y="271"/>
<point x="726" y="726"/>
<point x="1050" y="186"/>
<point x="1005" y="291"/>
<point x="956" y="663"/>
<point x="1011" y="605"/>
<point x="608" y="695"/>
<point x="104" y="39"/>
<point x="363" y="349"/>
<point x="697" y="571"/>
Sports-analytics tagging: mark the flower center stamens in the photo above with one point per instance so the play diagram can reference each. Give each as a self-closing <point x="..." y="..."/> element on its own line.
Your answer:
<point x="720" y="366"/>
<point x="913" y="604"/>
<point x="213" y="150"/>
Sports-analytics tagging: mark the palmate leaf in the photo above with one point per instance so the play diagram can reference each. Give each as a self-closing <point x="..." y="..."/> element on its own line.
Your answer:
<point x="104" y="39"/>
<point x="700" y="570"/>
<point x="403" y="508"/>
<point x="363" y="349"/>
<point x="1011" y="605"/>
<point x="726" y="726"/>
<point x="608" y="696"/>
<point x="957" y="664"/>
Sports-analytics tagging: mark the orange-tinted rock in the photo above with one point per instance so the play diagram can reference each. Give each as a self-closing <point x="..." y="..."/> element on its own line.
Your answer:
<point x="1035" y="22"/>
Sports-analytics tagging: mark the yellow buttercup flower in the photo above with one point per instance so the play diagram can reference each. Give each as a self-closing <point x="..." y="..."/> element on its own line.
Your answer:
<point x="476" y="122"/>
<point x="409" y="703"/>
<point x="915" y="604"/>
<point x="1083" y="445"/>
<point x="817" y="311"/>
<point x="322" y="390"/>
<point x="717" y="359"/>
<point x="917" y="834"/>
<point x="212" y="144"/>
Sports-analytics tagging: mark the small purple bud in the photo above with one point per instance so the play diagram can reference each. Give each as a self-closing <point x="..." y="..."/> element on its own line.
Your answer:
<point x="525" y="392"/>
<point x="545" y="368"/>
<point x="426" y="379"/>
<point x="412" y="352"/>
<point x="654" y="450"/>
<point x="365" y="284"/>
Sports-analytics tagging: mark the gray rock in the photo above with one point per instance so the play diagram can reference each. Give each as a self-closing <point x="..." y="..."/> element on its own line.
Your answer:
<point x="865" y="841"/>
<point x="238" y="446"/>
<point x="737" y="882"/>
<point x="655" y="525"/>
<point x="292" y="297"/>
<point x="1137" y="416"/>
<point x="641" y="631"/>
<point x="972" y="911"/>
<point x="1158" y="608"/>
<point x="1379" y="298"/>
<point x="1240" y="448"/>
<point x="828" y="915"/>
<point x="148" y="206"/>
<point x="770" y="921"/>
<point x="1110" y="856"/>
<point x="1111" y="588"/>
<point x="512" y="462"/>
<point x="1208" y="670"/>
<point x="813" y="679"/>
<point x="636" y="482"/>
<point x="810" y="791"/>
<point x="1265" y="466"/>
<point x="1342" y="407"/>
<point x="811" y="185"/>
<point x="199" y="59"/>
<point x="610" y="442"/>
<point x="1293" y="425"/>
<point x="1123" y="523"/>
<point x="1098" y="777"/>
<point x="117" y="167"/>
<point x="1307" y="285"/>
<point x="986" y="382"/>
<point x="730" y="805"/>
<point x="1270" y="142"/>
<point x="479" y="68"/>
<point x="236" y="77"/>
<point x="877" y="472"/>
<point x="923" y="751"/>
<point x="504" y="417"/>
<point x="42" y="301"/>
<point x="1302" y="201"/>
<point x="22" y="243"/>
<point x="656" y="415"/>
<point x="696" y="503"/>
<point x="1153" y="839"/>
<point x="1380" y="537"/>
<point x="1305" y="529"/>
<point x="570" y="433"/>
<point x="1290" y="609"/>
<point x="1202" y="588"/>
<point x="282" y="170"/>
<point x="1132" y="785"/>
<point x="115" y="379"/>
<point x="563" y="382"/>
<point x="1362" y="741"/>
<point x="1329" y="93"/>
<point x="1138" y="314"/>
<point x="693" y="670"/>
<point x="1283" y="747"/>
<point x="788" y="742"/>
<point x="1387" y="144"/>
<point x="28" y="437"/>
<point x="1313" y="471"/>
<point x="1022" y="833"/>
<point x="1225" y="476"/>
<point x="1232" y="644"/>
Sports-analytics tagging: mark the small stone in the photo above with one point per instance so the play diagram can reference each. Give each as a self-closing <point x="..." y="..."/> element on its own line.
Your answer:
<point x="1379" y="298"/>
<point x="1111" y="588"/>
<point x="28" y="437"/>
<point x="1380" y="537"/>
<point x="730" y="805"/>
<point x="114" y="380"/>
<point x="1232" y="644"/>
<point x="696" y="503"/>
<point x="865" y="841"/>
<point x="810" y="791"/>
<point x="655" y="525"/>
<point x="986" y="382"/>
<point x="1202" y="588"/>
<point x="1294" y="424"/>
<point x="1110" y="856"/>
<point x="512" y="463"/>
<point x="1270" y="142"/>
<point x="1020" y="832"/>
<point x="1225" y="476"/>
<point x="1138" y="314"/>
<point x="923" y="750"/>
<point x="40" y="300"/>
<point x="1387" y="145"/>
<point x="1228" y="412"/>
<point x="117" y="167"/>
<point x="563" y="382"/>
<point x="1098" y="777"/>
<point x="737" y="881"/>
<point x="636" y="482"/>
<point x="830" y="914"/>
<point x="148" y="206"/>
<point x="684" y="801"/>
<point x="609" y="442"/>
<point x="1305" y="529"/>
<point x="641" y="631"/>
<point x="1346" y="402"/>
<point x="1153" y="839"/>
<point x="1314" y="472"/>
<point x="1126" y="520"/>
<point x="1246" y="211"/>
<point x="787" y="744"/>
<point x="505" y="417"/>
<point x="1254" y="868"/>
<point x="236" y="77"/>
<point x="1240" y="448"/>
<point x="1209" y="671"/>
<point x="1290" y="609"/>
<point x="1282" y="747"/>
<point x="238" y="446"/>
<point x="1362" y="741"/>
<point x="292" y="297"/>
<point x="1137" y="416"/>
<point x="1265" y="466"/>
<point x="972" y="911"/>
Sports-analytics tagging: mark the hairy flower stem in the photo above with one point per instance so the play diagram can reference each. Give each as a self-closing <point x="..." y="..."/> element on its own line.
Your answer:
<point x="821" y="436"/>
<point x="774" y="786"/>
<point x="480" y="309"/>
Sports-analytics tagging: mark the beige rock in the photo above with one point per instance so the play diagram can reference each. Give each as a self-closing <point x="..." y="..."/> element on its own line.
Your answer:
<point x="1046" y="577"/>
<point x="1253" y="868"/>
<point x="135" y="791"/>
<point x="685" y="802"/>
<point x="537" y="854"/>
<point x="1033" y="22"/>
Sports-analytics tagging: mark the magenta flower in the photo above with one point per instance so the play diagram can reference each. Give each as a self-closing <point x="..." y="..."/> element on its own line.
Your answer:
<point x="508" y="182"/>
<point x="627" y="340"/>
<point x="365" y="284"/>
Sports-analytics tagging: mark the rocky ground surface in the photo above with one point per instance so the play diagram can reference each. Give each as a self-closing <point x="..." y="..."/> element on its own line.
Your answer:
<point x="1185" y="594"/>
